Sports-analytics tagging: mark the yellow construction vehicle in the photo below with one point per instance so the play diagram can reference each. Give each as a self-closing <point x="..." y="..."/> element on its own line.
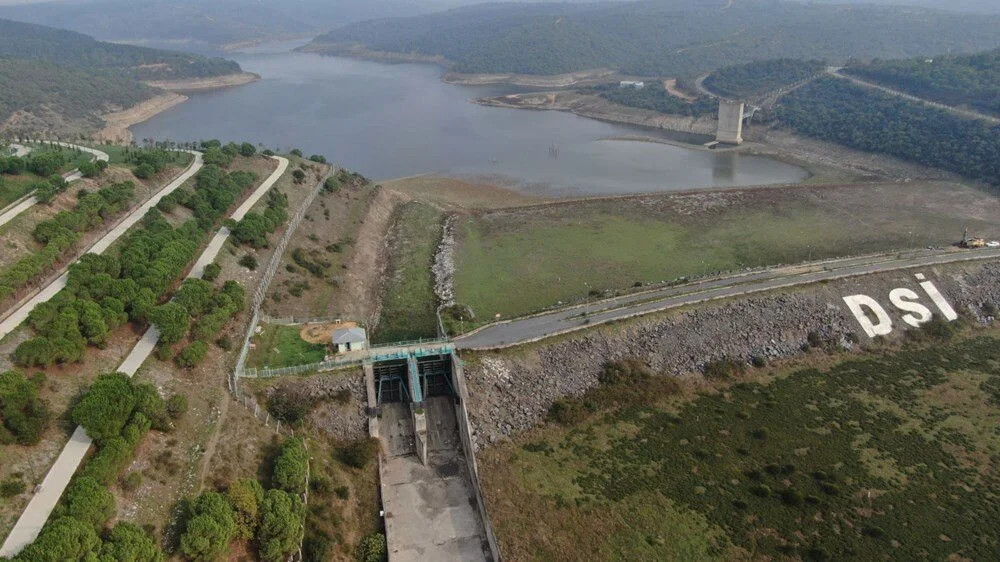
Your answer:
<point x="971" y="243"/>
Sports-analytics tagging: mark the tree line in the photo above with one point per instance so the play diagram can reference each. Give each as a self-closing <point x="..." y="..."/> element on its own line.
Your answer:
<point x="105" y="291"/>
<point x="61" y="234"/>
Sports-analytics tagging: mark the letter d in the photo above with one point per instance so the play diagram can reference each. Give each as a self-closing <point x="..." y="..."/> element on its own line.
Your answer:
<point x="855" y="304"/>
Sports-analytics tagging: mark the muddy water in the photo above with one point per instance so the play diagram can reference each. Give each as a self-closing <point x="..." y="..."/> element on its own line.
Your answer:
<point x="390" y="121"/>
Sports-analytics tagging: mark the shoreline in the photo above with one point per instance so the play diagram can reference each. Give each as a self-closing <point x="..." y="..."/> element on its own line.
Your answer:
<point x="205" y="84"/>
<point x="117" y="125"/>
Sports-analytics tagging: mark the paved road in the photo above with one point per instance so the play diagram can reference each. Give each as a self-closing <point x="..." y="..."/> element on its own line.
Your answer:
<point x="968" y="113"/>
<point x="44" y="501"/>
<point x="571" y="319"/>
<point x="29" y="200"/>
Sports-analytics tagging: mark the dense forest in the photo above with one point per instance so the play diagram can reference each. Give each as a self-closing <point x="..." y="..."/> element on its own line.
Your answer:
<point x="835" y="110"/>
<point x="655" y="97"/>
<point x="972" y="80"/>
<point x="679" y="38"/>
<point x="74" y="94"/>
<point x="39" y="43"/>
<point x="758" y="78"/>
<point x="61" y="81"/>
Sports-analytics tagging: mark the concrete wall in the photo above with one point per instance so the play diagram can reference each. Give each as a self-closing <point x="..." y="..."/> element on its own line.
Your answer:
<point x="465" y="433"/>
<point x="730" y="123"/>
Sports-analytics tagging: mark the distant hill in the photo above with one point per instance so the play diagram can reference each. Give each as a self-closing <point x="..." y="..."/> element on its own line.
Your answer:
<point x="758" y="78"/>
<point x="972" y="80"/>
<point x="35" y="42"/>
<point x="53" y="80"/>
<point x="207" y="22"/>
<point x="665" y="37"/>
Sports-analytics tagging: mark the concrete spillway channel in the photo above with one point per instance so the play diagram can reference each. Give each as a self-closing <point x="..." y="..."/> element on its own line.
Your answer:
<point x="430" y="487"/>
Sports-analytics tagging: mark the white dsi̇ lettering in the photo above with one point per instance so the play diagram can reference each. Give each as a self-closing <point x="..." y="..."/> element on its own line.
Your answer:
<point x="943" y="306"/>
<point x="903" y="300"/>
<point x="857" y="303"/>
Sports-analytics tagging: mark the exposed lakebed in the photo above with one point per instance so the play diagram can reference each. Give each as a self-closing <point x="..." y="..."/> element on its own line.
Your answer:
<point x="397" y="120"/>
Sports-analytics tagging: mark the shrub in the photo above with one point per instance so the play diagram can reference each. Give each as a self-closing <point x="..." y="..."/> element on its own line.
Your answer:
<point x="299" y="176"/>
<point x="23" y="415"/>
<point x="359" y="453"/>
<point x="132" y="481"/>
<point x="758" y="361"/>
<point x="295" y="152"/>
<point x="331" y="185"/>
<point x="11" y="487"/>
<point x="318" y="158"/>
<point x="190" y="356"/>
<point x="761" y="490"/>
<point x="342" y="492"/>
<point x="144" y="171"/>
<point x="249" y="262"/>
<point x="814" y="339"/>
<point x="566" y="412"/>
<point x="212" y="272"/>
<point x="791" y="497"/>
<point x="872" y="531"/>
<point x="177" y="406"/>
<point x="289" y="406"/>
<point x="87" y="500"/>
<point x="373" y="548"/>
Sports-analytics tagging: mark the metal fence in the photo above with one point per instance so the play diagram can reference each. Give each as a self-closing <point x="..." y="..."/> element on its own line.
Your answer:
<point x="298" y="320"/>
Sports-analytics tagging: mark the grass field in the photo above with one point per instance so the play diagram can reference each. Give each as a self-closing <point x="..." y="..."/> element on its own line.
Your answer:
<point x="512" y="262"/>
<point x="281" y="346"/>
<point x="409" y="305"/>
<point x="891" y="455"/>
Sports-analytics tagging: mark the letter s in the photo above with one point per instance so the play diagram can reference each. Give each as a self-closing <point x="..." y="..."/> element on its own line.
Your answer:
<point x="903" y="300"/>
<point x="884" y="326"/>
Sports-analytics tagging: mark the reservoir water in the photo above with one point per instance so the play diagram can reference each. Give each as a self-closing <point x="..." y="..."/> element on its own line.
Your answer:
<point x="395" y="120"/>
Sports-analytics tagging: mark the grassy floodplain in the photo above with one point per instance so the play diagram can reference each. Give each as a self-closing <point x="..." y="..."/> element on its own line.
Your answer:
<point x="409" y="307"/>
<point x="893" y="454"/>
<point x="516" y="261"/>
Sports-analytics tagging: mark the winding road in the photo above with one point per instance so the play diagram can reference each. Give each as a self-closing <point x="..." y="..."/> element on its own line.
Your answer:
<point x="29" y="200"/>
<point x="45" y="499"/>
<point x="545" y="325"/>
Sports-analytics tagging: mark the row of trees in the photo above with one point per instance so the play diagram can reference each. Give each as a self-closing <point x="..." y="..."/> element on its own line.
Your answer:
<point x="105" y="291"/>
<point x="255" y="227"/>
<point x="116" y="412"/>
<point x="62" y="233"/>
<point x="836" y="110"/>
<point x="273" y="519"/>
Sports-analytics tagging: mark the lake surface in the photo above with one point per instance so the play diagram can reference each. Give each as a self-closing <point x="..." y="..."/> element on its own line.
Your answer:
<point x="388" y="121"/>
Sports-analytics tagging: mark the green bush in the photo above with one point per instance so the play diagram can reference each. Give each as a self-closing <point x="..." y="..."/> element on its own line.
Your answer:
<point x="723" y="369"/>
<point x="249" y="262"/>
<point x="291" y="466"/>
<point x="212" y="272"/>
<point x="190" y="356"/>
<point x="132" y="481"/>
<point x="11" y="487"/>
<point x="373" y="548"/>
<point x="177" y="406"/>
<point x="24" y="416"/>
<point x="87" y="500"/>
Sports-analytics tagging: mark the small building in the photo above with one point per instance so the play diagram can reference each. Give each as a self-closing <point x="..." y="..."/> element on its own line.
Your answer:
<point x="349" y="339"/>
<point x="631" y="84"/>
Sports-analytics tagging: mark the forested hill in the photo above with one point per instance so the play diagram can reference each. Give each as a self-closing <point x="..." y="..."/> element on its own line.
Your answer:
<point x="36" y="42"/>
<point x="204" y="22"/>
<point x="665" y="37"/>
<point x="57" y="81"/>
<point x="972" y="80"/>
<point x="759" y="78"/>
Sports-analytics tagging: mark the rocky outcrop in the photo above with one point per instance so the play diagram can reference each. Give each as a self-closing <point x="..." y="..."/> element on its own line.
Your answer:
<point x="511" y="391"/>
